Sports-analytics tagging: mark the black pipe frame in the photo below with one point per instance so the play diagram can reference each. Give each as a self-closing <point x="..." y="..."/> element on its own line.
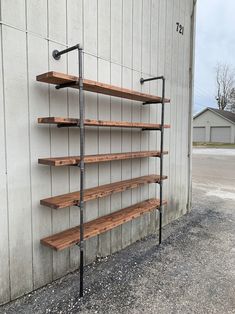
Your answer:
<point x="142" y="81"/>
<point x="56" y="54"/>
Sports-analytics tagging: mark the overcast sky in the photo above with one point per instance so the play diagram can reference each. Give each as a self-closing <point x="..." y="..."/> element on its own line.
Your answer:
<point x="215" y="42"/>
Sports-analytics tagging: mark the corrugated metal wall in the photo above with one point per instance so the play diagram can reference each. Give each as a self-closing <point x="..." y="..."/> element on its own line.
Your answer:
<point x="123" y="40"/>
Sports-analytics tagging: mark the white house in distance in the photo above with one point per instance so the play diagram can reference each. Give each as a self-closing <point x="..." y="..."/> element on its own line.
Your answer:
<point x="214" y="125"/>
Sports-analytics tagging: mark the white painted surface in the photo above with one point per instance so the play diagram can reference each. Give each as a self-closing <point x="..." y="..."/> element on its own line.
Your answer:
<point x="123" y="41"/>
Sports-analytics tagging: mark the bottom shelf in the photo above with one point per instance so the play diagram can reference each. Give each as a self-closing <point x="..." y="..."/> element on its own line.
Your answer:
<point x="67" y="238"/>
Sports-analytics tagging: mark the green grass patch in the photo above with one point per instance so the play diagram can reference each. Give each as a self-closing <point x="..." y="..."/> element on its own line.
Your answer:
<point x="214" y="145"/>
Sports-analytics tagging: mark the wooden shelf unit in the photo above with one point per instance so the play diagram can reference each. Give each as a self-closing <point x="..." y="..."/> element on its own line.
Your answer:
<point x="95" y="227"/>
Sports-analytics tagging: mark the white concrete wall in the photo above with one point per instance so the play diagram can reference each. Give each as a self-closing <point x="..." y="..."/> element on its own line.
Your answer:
<point x="123" y="41"/>
<point x="210" y="119"/>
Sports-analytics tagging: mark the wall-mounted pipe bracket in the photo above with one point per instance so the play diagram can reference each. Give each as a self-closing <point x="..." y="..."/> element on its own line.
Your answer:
<point x="56" y="54"/>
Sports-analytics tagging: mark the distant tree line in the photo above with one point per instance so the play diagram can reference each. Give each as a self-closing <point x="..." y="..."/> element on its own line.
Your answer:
<point x="225" y="85"/>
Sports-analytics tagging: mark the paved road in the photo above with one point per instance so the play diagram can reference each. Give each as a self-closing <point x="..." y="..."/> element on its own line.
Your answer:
<point x="214" y="172"/>
<point x="192" y="272"/>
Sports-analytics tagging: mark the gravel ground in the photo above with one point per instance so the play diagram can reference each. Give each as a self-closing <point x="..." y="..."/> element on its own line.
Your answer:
<point x="193" y="271"/>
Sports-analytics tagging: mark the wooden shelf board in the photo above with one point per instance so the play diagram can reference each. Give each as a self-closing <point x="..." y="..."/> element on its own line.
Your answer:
<point x="72" y="199"/>
<point x="100" y="123"/>
<point x="67" y="238"/>
<point x="57" y="78"/>
<point x="74" y="160"/>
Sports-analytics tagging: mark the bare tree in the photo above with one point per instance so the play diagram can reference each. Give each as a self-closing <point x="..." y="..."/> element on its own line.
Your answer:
<point x="232" y="97"/>
<point x="231" y="106"/>
<point x="225" y="79"/>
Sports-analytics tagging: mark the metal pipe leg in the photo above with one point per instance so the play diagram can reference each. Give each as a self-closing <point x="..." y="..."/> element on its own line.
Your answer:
<point x="82" y="138"/>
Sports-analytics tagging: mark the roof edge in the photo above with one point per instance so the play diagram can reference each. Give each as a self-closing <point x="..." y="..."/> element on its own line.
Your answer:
<point x="211" y="109"/>
<point x="200" y="112"/>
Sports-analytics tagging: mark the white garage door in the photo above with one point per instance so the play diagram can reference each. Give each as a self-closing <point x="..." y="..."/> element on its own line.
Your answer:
<point x="221" y="134"/>
<point x="199" y="134"/>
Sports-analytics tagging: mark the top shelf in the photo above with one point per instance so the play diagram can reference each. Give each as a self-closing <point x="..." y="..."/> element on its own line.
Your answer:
<point x="57" y="78"/>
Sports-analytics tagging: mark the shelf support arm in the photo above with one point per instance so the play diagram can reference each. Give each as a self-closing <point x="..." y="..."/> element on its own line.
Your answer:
<point x="57" y="54"/>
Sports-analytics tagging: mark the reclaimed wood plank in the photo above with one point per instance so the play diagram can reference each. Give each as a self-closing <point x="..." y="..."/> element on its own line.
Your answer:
<point x="67" y="238"/>
<point x="72" y="199"/>
<point x="57" y="78"/>
<point x="90" y="122"/>
<point x="74" y="160"/>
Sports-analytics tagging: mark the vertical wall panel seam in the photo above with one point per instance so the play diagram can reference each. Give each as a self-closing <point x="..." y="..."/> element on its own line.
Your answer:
<point x="110" y="132"/>
<point x="110" y="143"/>
<point x="157" y="61"/>
<point x="171" y="114"/>
<point x="175" y="137"/>
<point x="132" y="103"/>
<point x="170" y="93"/>
<point x="190" y="95"/>
<point x="49" y="103"/>
<point x="164" y="74"/>
<point x="150" y="106"/>
<point x="84" y="101"/>
<point x="141" y="106"/>
<point x="98" y="112"/>
<point x="97" y="115"/>
<point x="178" y="117"/>
<point x="110" y="149"/>
<point x="182" y="111"/>
<point x="29" y="142"/>
<point x="121" y="104"/>
<point x="68" y="131"/>
<point x="151" y="73"/>
<point x="131" y="161"/>
<point x="6" y="164"/>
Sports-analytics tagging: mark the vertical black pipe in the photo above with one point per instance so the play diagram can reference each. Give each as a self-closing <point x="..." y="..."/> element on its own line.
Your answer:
<point x="161" y="159"/>
<point x="57" y="54"/>
<point x="81" y="202"/>
<point x="142" y="80"/>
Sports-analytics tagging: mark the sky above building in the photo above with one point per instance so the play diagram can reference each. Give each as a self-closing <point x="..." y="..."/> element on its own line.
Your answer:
<point x="215" y="42"/>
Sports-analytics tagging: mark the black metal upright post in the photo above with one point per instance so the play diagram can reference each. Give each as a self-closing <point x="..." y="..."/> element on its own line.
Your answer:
<point x="57" y="54"/>
<point x="161" y="159"/>
<point x="142" y="80"/>
<point x="82" y="136"/>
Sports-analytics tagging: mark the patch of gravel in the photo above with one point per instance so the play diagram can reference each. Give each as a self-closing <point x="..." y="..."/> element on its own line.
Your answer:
<point x="193" y="271"/>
